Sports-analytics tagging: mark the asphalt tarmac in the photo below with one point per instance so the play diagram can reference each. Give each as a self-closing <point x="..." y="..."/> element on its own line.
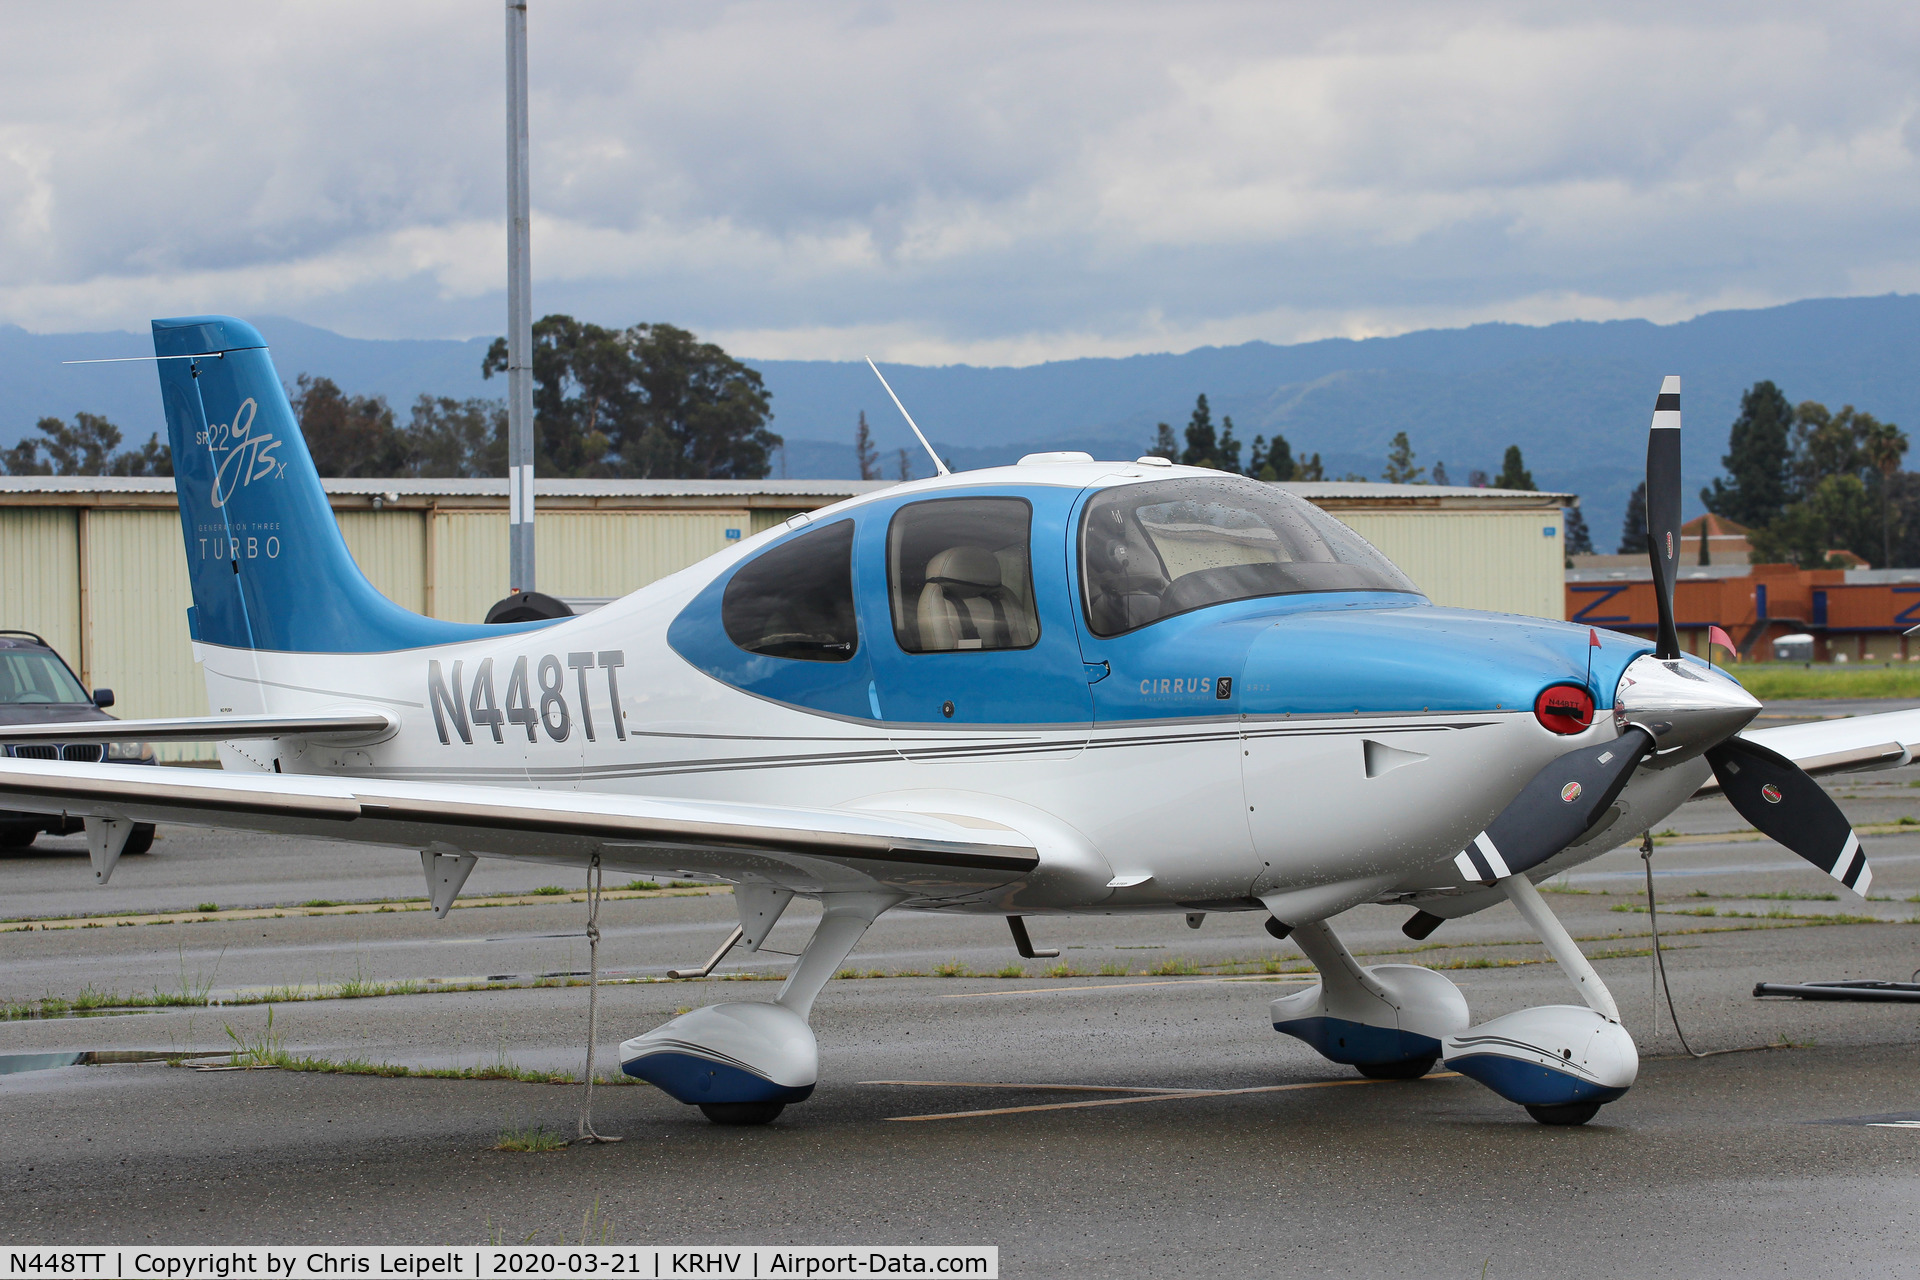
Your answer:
<point x="1784" y="1152"/>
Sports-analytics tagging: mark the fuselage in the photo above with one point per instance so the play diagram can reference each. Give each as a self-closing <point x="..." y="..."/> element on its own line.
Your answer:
<point x="1043" y="651"/>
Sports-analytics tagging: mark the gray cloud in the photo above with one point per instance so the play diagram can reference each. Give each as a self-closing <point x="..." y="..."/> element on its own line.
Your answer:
<point x="994" y="182"/>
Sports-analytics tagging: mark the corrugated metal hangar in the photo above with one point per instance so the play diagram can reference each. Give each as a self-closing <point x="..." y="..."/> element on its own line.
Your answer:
<point x="96" y="564"/>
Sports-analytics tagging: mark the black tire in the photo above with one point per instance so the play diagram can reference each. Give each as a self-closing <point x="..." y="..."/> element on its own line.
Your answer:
<point x="1405" y="1069"/>
<point x="742" y="1112"/>
<point x="140" y="839"/>
<point x="18" y="837"/>
<point x="1565" y="1113"/>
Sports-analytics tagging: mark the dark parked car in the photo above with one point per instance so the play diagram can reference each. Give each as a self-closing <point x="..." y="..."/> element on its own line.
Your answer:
<point x="38" y="687"/>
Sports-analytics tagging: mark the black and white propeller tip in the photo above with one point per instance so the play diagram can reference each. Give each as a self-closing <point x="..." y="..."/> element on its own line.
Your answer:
<point x="1783" y="802"/>
<point x="1663" y="509"/>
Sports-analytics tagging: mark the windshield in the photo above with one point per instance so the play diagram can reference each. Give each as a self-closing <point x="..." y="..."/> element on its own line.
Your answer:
<point x="29" y="677"/>
<point x="1149" y="551"/>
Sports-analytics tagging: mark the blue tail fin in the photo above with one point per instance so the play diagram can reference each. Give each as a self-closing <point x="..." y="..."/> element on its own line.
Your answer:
<point x="268" y="565"/>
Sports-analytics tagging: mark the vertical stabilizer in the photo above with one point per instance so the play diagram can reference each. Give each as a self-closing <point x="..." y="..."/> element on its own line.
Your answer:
<point x="267" y="562"/>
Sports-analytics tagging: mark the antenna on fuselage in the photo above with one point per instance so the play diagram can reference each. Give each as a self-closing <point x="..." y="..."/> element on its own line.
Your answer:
<point x="938" y="465"/>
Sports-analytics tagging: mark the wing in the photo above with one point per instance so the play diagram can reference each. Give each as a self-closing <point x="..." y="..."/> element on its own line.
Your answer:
<point x="807" y="850"/>
<point x="345" y="729"/>
<point x="1848" y="745"/>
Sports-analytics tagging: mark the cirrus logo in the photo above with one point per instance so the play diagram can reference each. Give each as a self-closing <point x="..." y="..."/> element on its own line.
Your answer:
<point x="1570" y="792"/>
<point x="1770" y="793"/>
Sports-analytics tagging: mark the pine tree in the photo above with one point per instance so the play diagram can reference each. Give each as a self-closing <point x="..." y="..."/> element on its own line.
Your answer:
<point x="1758" y="461"/>
<point x="906" y="467"/>
<point x="1309" y="469"/>
<point x="1257" y="456"/>
<point x="1228" y="457"/>
<point x="1440" y="473"/>
<point x="1202" y="445"/>
<point x="1164" y="445"/>
<point x="1400" y="468"/>
<point x="1633" y="530"/>
<point x="863" y="450"/>
<point x="1513" y="472"/>
<point x="1579" y="540"/>
<point x="1280" y="461"/>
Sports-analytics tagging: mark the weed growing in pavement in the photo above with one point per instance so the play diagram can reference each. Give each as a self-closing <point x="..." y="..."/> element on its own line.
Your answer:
<point x="1010" y="971"/>
<point x="641" y="884"/>
<point x="537" y="1138"/>
<point x="323" y="902"/>
<point x="595" y="1226"/>
<point x="1113" y="969"/>
<point x="549" y="890"/>
<point x="1173" y="967"/>
<point x="951" y="969"/>
<point x="263" y="1050"/>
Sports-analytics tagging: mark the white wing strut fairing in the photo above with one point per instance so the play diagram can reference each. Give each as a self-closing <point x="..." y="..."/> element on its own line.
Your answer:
<point x="809" y="850"/>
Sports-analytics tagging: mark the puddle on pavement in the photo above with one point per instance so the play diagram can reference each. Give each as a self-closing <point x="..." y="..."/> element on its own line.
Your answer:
<point x="15" y="1063"/>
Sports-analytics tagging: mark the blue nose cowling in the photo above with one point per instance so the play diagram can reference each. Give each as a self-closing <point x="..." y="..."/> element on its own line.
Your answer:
<point x="1423" y="658"/>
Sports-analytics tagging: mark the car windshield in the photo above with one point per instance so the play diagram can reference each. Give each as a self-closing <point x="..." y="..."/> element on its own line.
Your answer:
<point x="1150" y="551"/>
<point x="29" y="677"/>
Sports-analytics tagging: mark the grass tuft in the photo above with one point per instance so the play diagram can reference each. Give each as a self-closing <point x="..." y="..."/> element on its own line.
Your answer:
<point x="549" y="890"/>
<point x="208" y="906"/>
<point x="537" y="1138"/>
<point x="1010" y="971"/>
<point x="951" y="969"/>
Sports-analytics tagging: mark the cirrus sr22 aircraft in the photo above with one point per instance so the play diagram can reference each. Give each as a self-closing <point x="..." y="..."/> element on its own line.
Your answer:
<point x="1061" y="686"/>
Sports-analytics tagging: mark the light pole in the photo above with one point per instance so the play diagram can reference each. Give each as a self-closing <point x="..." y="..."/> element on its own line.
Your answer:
<point x="519" y="312"/>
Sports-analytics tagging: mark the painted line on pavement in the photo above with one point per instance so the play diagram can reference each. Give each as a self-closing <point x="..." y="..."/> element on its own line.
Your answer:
<point x="1154" y="1097"/>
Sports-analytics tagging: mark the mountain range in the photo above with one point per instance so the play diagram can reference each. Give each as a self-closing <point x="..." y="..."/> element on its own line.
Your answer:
<point x="1575" y="396"/>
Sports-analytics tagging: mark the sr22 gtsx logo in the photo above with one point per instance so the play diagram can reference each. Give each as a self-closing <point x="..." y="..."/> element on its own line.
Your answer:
<point x="239" y="456"/>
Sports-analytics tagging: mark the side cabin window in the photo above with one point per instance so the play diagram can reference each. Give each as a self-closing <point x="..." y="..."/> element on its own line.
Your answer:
<point x="960" y="576"/>
<point x="796" y="601"/>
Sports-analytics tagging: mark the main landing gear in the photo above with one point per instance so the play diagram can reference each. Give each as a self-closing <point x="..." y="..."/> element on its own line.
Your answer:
<point x="744" y="1063"/>
<point x="1392" y="1021"/>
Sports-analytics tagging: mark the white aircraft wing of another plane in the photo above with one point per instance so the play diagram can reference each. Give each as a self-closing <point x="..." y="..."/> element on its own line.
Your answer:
<point x="1846" y="745"/>
<point x="808" y="850"/>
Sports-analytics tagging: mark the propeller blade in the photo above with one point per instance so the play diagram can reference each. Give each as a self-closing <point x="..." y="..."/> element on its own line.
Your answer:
<point x="1553" y="810"/>
<point x="1777" y="796"/>
<point x="1663" y="509"/>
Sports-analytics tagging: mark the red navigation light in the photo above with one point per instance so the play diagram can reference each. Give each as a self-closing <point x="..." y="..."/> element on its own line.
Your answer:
<point x="1564" y="708"/>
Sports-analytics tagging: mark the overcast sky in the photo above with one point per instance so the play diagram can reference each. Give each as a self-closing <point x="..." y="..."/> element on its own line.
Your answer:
<point x="993" y="183"/>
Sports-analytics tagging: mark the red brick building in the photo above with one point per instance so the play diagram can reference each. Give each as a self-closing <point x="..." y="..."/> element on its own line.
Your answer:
<point x="1855" y="614"/>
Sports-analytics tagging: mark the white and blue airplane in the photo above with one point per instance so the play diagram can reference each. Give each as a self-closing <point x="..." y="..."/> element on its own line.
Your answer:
<point x="1061" y="686"/>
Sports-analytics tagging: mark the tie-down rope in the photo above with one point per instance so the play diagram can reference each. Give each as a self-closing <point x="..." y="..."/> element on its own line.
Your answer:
<point x="596" y="878"/>
<point x="1659" y="961"/>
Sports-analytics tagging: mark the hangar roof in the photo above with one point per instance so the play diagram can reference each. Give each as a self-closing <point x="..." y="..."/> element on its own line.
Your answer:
<point x="158" y="491"/>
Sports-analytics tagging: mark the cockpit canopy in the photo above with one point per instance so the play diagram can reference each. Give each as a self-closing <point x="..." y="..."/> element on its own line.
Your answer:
<point x="1150" y="551"/>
